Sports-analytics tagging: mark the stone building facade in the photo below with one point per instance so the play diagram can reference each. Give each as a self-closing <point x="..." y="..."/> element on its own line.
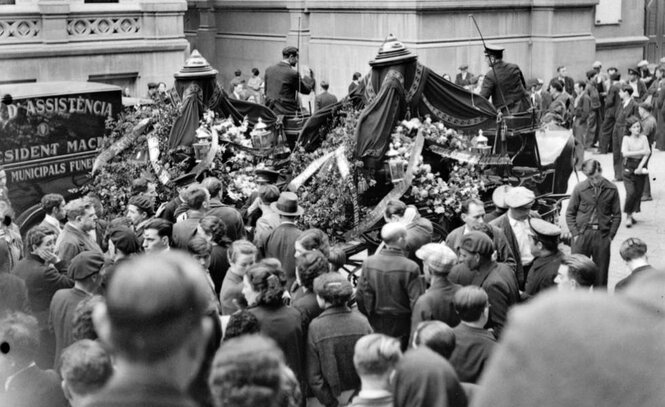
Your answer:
<point x="127" y="43"/>
<point x="339" y="37"/>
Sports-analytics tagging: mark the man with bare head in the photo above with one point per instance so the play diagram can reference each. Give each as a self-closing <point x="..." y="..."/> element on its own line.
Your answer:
<point x="389" y="285"/>
<point x="154" y="321"/>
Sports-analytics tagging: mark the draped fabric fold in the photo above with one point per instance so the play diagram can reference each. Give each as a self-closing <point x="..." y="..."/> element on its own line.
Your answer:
<point x="393" y="93"/>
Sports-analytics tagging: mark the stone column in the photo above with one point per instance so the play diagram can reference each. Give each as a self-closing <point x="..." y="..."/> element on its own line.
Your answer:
<point x="205" y="39"/>
<point x="54" y="20"/>
<point x="299" y="34"/>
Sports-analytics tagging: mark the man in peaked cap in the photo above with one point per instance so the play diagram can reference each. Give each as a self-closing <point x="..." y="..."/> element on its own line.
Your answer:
<point x="85" y="271"/>
<point x="504" y="83"/>
<point x="476" y="251"/>
<point x="545" y="249"/>
<point x="283" y="83"/>
<point x="515" y="226"/>
<point x="167" y="211"/>
<point x="638" y="85"/>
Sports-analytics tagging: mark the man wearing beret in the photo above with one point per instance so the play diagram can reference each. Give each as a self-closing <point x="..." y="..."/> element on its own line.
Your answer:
<point x="545" y="249"/>
<point x="515" y="225"/>
<point x="283" y="83"/>
<point x="593" y="217"/>
<point x="84" y="270"/>
<point x="476" y="251"/>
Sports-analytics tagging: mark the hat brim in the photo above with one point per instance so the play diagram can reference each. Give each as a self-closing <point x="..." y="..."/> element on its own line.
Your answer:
<point x="275" y="209"/>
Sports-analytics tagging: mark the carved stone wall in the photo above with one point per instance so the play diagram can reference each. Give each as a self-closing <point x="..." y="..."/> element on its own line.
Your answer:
<point x="337" y="38"/>
<point x="136" y="41"/>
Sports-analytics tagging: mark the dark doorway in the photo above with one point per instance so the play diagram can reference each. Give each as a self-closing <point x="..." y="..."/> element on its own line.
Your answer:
<point x="654" y="29"/>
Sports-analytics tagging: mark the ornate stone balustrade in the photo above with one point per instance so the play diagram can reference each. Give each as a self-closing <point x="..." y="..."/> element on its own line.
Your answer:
<point x="20" y="29"/>
<point x="103" y="27"/>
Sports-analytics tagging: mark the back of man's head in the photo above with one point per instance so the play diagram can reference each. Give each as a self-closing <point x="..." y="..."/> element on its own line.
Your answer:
<point x="19" y="333"/>
<point x="470" y="303"/>
<point x="154" y="305"/>
<point x="391" y="233"/>
<point x="581" y="269"/>
<point x="213" y="185"/>
<point x="633" y="248"/>
<point x="51" y="201"/>
<point x="196" y="197"/>
<point x="437" y="336"/>
<point x="85" y="368"/>
<point x="376" y="355"/>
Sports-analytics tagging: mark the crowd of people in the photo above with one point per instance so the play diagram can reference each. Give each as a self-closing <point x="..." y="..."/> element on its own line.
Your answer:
<point x="194" y="303"/>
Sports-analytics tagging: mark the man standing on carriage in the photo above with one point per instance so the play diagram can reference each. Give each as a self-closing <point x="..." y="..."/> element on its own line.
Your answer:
<point x="283" y="83"/>
<point x="504" y="83"/>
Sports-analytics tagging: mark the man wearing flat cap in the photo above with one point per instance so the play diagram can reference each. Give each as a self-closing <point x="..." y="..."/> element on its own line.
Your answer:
<point x="545" y="249"/>
<point x="283" y="83"/>
<point x="464" y="77"/>
<point x="504" y="83"/>
<point x="476" y="251"/>
<point x="515" y="225"/>
<point x="437" y="302"/>
<point x="84" y="269"/>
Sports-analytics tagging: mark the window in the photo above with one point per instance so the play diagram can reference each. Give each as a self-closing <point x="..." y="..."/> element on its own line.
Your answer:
<point x="608" y="12"/>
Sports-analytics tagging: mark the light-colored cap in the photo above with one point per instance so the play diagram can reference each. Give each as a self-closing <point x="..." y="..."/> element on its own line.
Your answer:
<point x="519" y="196"/>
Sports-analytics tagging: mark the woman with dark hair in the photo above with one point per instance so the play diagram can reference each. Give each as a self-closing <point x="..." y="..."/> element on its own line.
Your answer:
<point x="213" y="230"/>
<point x="331" y="339"/>
<point x="263" y="288"/>
<point x="44" y="274"/>
<point x="635" y="152"/>
<point x="309" y="266"/>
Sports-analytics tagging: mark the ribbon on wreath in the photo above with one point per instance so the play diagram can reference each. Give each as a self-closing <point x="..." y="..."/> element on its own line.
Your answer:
<point x="153" y="154"/>
<point x="311" y="169"/>
<point x="120" y="145"/>
<point x="398" y="190"/>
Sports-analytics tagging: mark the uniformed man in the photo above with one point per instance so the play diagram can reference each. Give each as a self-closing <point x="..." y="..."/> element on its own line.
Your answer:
<point x="547" y="256"/>
<point x="504" y="84"/>
<point x="283" y="83"/>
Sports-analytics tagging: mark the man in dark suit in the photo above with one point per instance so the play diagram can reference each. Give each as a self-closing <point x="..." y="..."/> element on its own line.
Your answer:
<point x="627" y="108"/>
<point x="515" y="225"/>
<point x="283" y="83"/>
<point x="167" y="210"/>
<point x="504" y="83"/>
<point x="53" y="206"/>
<point x="634" y="252"/>
<point x="389" y="285"/>
<point x="84" y="269"/>
<point x="324" y="98"/>
<point x="75" y="237"/>
<point x="281" y="243"/>
<point x="14" y="291"/>
<point x="235" y="227"/>
<point x="476" y="251"/>
<point x="464" y="77"/>
<point x="566" y="81"/>
<point x="437" y="302"/>
<point x="25" y="384"/>
<point x="154" y="321"/>
<point x="473" y="213"/>
<point x="612" y="103"/>
<point x="548" y="257"/>
<point x="196" y="198"/>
